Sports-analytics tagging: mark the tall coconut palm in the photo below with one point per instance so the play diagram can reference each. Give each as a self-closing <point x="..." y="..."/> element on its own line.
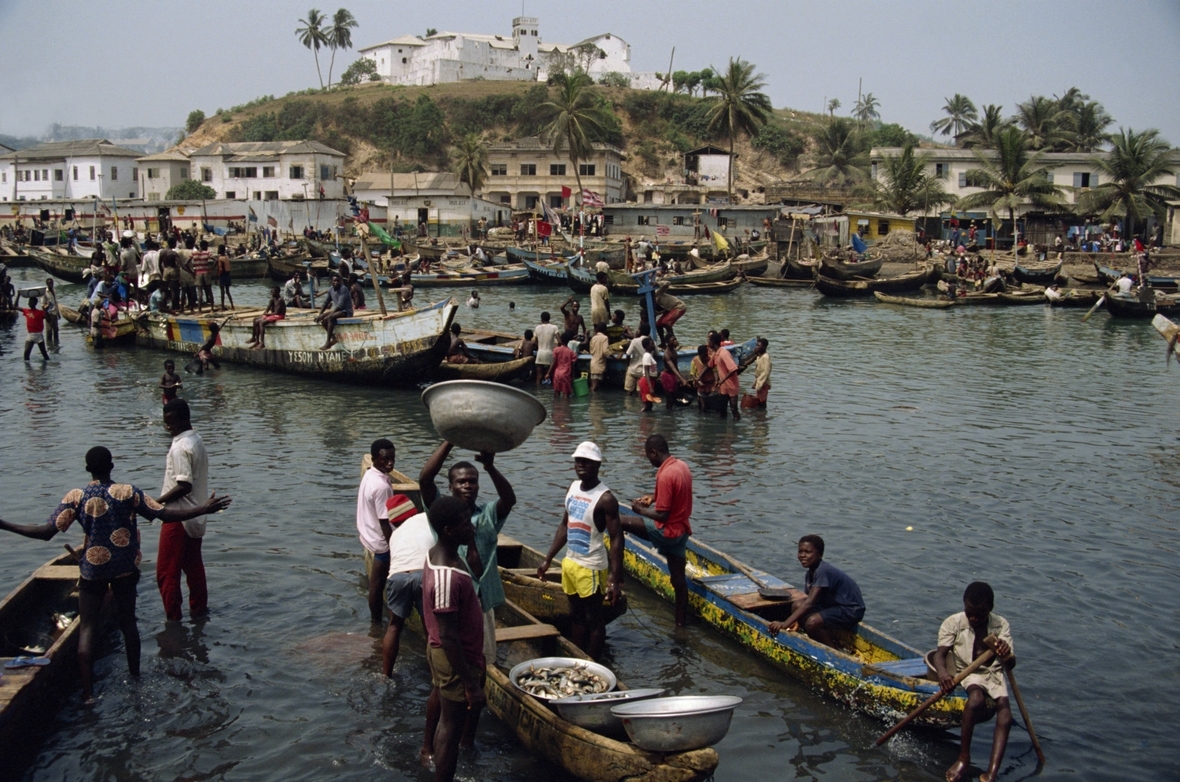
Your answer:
<point x="339" y="35"/>
<point x="469" y="161"/>
<point x="740" y="105"/>
<point x="313" y="36"/>
<point x="1128" y="177"/>
<point x="575" y="120"/>
<point x="1090" y="122"/>
<point x="867" y="109"/>
<point x="903" y="184"/>
<point x="833" y="104"/>
<point x="839" y="157"/>
<point x="961" y="114"/>
<point x="1011" y="178"/>
<point x="1046" y="125"/>
<point x="983" y="133"/>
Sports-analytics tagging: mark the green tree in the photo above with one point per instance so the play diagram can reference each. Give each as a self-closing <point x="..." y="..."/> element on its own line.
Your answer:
<point x="363" y="69"/>
<point x="1089" y="127"/>
<point x="903" y="184"/>
<point x="575" y="119"/>
<point x="740" y="106"/>
<point x="839" y="157"/>
<point x="469" y="161"/>
<point x="960" y="115"/>
<point x="1045" y="124"/>
<point x="1128" y="177"/>
<point x="890" y="135"/>
<point x="1011" y="178"/>
<point x="195" y="118"/>
<point x="781" y="142"/>
<point x="867" y="109"/>
<point x="339" y="35"/>
<point x="983" y="133"/>
<point x="189" y="190"/>
<point x="615" y="79"/>
<point x="431" y="31"/>
<point x="833" y="104"/>
<point x="313" y="36"/>
<point x="679" y="81"/>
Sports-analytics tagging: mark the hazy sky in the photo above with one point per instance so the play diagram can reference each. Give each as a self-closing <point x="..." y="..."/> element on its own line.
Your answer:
<point x="133" y="62"/>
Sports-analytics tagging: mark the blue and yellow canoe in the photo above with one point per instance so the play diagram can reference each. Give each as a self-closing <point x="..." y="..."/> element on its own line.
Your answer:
<point x="881" y="677"/>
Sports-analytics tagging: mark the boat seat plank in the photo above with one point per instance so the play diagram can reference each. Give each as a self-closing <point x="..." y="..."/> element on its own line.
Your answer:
<point x="57" y="572"/>
<point x="526" y="632"/>
<point x="729" y="584"/>
<point x="910" y="666"/>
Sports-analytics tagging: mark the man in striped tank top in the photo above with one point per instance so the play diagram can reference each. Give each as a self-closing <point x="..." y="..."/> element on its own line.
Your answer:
<point x="590" y="510"/>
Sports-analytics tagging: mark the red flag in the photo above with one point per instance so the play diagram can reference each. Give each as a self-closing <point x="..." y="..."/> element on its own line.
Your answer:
<point x="566" y="192"/>
<point x="544" y="229"/>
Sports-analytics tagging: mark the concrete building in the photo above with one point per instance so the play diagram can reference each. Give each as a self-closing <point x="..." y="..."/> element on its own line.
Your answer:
<point x="439" y="200"/>
<point x="525" y="172"/>
<point x="90" y="168"/>
<point x="158" y="173"/>
<point x="649" y="220"/>
<point x="446" y="57"/>
<point x="270" y="170"/>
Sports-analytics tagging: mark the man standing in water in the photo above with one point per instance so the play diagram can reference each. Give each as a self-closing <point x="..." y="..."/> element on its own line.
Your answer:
<point x="186" y="485"/>
<point x="372" y="526"/>
<point x="488" y="519"/>
<point x="590" y="510"/>
<point x="109" y="557"/>
<point x="666" y="516"/>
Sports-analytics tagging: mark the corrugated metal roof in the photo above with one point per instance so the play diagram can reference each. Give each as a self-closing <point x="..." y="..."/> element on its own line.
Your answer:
<point x="174" y="154"/>
<point x="58" y="150"/>
<point x="254" y="150"/>
<point x="443" y="181"/>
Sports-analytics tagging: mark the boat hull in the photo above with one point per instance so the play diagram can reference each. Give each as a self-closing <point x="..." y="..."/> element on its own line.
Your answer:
<point x="836" y="269"/>
<point x="1131" y="306"/>
<point x="581" y="280"/>
<point x="1037" y="276"/>
<point x="497" y="372"/>
<point x="63" y="267"/>
<point x="930" y="304"/>
<point x="543" y="599"/>
<point x="844" y="289"/>
<point x="396" y="349"/>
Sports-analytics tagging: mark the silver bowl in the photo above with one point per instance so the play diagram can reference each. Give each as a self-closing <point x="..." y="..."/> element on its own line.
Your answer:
<point x="560" y="662"/>
<point x="678" y="724"/>
<point x="478" y="415"/>
<point x="592" y="712"/>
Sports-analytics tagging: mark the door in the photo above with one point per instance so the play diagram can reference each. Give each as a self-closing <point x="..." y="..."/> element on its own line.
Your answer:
<point x="424" y="222"/>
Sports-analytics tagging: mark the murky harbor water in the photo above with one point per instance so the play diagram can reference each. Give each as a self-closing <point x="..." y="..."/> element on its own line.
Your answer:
<point x="1024" y="448"/>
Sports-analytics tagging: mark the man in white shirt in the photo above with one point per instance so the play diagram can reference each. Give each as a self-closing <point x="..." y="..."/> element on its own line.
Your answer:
<point x="546" y="334"/>
<point x="635" y="353"/>
<point x="186" y="485"/>
<point x="409" y="545"/>
<point x="371" y="524"/>
<point x="1124" y="283"/>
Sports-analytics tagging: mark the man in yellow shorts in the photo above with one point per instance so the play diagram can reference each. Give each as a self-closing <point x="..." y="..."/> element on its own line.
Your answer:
<point x="590" y="511"/>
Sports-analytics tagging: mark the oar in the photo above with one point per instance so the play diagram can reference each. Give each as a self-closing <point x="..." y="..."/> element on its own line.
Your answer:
<point x="1099" y="303"/>
<point x="1032" y="734"/>
<point x="982" y="659"/>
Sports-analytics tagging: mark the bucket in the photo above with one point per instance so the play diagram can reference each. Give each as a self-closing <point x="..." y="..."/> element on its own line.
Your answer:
<point x="581" y="385"/>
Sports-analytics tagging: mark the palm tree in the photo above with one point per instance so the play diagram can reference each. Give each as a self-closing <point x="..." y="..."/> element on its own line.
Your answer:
<point x="312" y="35"/>
<point x="833" y="104"/>
<point x="1047" y="126"/>
<point x="575" y="118"/>
<point x="903" y="184"/>
<point x="740" y="105"/>
<point x="469" y="161"/>
<point x="1090" y="122"/>
<point x="866" y="109"/>
<point x="983" y="133"/>
<point x="1010" y="178"/>
<point x="339" y="35"/>
<point x="1129" y="173"/>
<point x="839" y="157"/>
<point x="961" y="114"/>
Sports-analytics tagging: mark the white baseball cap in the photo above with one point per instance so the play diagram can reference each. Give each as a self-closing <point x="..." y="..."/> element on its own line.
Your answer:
<point x="588" y="450"/>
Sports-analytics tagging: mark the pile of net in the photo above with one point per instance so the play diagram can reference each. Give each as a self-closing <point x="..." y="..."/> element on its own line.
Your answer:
<point x="900" y="247"/>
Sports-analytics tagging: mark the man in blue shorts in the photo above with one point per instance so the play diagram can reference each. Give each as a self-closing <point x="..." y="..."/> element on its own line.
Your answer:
<point x="830" y="600"/>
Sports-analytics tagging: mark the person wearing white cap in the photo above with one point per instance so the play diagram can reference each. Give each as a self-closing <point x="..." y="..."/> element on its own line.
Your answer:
<point x="590" y="510"/>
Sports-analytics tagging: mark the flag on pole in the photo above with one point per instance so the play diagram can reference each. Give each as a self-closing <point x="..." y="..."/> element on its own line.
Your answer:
<point x="719" y="242"/>
<point x="550" y="215"/>
<point x="591" y="199"/>
<point x="253" y="214"/>
<point x="273" y="223"/>
<point x="566" y="192"/>
<point x="385" y="238"/>
<point x="663" y="230"/>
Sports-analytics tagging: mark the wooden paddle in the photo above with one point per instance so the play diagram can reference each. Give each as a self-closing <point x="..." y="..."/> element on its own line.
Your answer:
<point x="1032" y="734"/>
<point x="1099" y="303"/>
<point x="982" y="659"/>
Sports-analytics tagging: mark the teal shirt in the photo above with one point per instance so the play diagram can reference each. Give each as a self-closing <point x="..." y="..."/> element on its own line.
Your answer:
<point x="487" y="537"/>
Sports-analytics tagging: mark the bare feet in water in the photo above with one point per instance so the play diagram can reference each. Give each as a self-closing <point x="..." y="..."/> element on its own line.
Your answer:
<point x="956" y="772"/>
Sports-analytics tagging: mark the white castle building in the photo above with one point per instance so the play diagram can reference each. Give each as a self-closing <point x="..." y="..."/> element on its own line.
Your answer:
<point x="451" y="57"/>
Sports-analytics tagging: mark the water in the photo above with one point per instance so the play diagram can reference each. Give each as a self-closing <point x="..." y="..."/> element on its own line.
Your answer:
<point x="1022" y="446"/>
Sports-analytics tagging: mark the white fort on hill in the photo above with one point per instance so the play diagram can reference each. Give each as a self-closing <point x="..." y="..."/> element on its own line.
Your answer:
<point x="451" y="57"/>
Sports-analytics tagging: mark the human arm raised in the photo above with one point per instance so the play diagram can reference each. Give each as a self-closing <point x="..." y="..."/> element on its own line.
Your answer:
<point x="503" y="488"/>
<point x="430" y="471"/>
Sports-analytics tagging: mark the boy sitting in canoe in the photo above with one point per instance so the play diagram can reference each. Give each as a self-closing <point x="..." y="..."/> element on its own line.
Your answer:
<point x="960" y="640"/>
<point x="830" y="600"/>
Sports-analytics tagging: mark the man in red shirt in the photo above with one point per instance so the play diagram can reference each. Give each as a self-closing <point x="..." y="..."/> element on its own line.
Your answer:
<point x="725" y="369"/>
<point x="35" y="323"/>
<point x="666" y="516"/>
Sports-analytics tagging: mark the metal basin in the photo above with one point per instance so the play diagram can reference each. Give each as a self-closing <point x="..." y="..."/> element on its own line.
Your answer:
<point x="678" y="724"/>
<point x="479" y="415"/>
<point x="592" y="712"/>
<point x="560" y="662"/>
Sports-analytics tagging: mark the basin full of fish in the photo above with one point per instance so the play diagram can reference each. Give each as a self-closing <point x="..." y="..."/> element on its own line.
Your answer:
<point x="548" y="678"/>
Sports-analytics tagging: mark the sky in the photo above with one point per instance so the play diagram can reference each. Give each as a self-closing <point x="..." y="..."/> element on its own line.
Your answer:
<point x="123" y="63"/>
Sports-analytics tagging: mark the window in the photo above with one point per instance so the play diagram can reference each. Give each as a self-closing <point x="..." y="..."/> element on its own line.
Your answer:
<point x="326" y="173"/>
<point x="153" y="196"/>
<point x="873" y="171"/>
<point x="92" y="173"/>
<point x="184" y="172"/>
<point x="1081" y="179"/>
<point x="206" y="174"/>
<point x="499" y="169"/>
<point x="678" y="220"/>
<point x="45" y="175"/>
<point x="942" y="170"/>
<point x="36" y="175"/>
<point x="272" y="195"/>
<point x="528" y="169"/>
<point x="268" y="172"/>
<point x="59" y="175"/>
<point x="555" y="201"/>
<point x="134" y="174"/>
<point x="257" y="195"/>
<point x="962" y="179"/>
<point x="642" y="220"/>
<point x="75" y="173"/>
<point x="114" y="173"/>
<point x="231" y="194"/>
<point x="3" y="176"/>
<point x="586" y="169"/>
<point x="882" y="227"/>
<point x="530" y="202"/>
<point x="557" y="169"/>
<point x="608" y="219"/>
<point x="246" y="172"/>
<point x="506" y="199"/>
<point x="722" y="222"/>
<point x="295" y="172"/>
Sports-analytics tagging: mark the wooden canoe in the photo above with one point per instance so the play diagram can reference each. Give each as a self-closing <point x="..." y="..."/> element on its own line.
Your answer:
<point x="691" y="289"/>
<point x="932" y="304"/>
<point x="29" y="623"/>
<point x="798" y="269"/>
<point x="1077" y="298"/>
<point x="125" y="327"/>
<point x="1146" y="307"/>
<point x="844" y="289"/>
<point x="778" y="282"/>
<point x="549" y="272"/>
<point x="756" y="265"/>
<point x="581" y="280"/>
<point x="1169" y="331"/>
<point x="63" y="267"/>
<point x="1039" y="274"/>
<point x="837" y="269"/>
<point x="1023" y="299"/>
<point x="283" y="267"/>
<point x="499" y="372"/>
<point x="872" y="672"/>
<point x="581" y="753"/>
<point x="474" y="278"/>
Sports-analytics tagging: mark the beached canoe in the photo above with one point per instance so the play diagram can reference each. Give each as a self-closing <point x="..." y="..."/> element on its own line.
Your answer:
<point x="839" y="269"/>
<point x="546" y="271"/>
<point x="499" y="371"/>
<point x="1169" y="331"/>
<point x="931" y="304"/>
<point x="281" y="268"/>
<point x="64" y="267"/>
<point x="1142" y="307"/>
<point x="874" y="673"/>
<point x="1037" y="274"/>
<point x="1077" y="298"/>
<point x="473" y="278"/>
<point x="861" y="288"/>
<point x="38" y="618"/>
<point x="248" y="267"/>
<point x="1023" y="298"/>
<point x="581" y="280"/>
<point x="401" y="348"/>
<point x="126" y="325"/>
<point x="581" y="753"/>
<point x="778" y="282"/>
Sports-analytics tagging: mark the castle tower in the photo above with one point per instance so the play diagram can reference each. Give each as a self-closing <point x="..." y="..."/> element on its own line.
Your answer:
<point x="526" y="37"/>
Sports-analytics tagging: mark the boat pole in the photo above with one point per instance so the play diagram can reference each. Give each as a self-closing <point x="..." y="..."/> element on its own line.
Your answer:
<point x="982" y="659"/>
<point x="1032" y="734"/>
<point x="373" y="274"/>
